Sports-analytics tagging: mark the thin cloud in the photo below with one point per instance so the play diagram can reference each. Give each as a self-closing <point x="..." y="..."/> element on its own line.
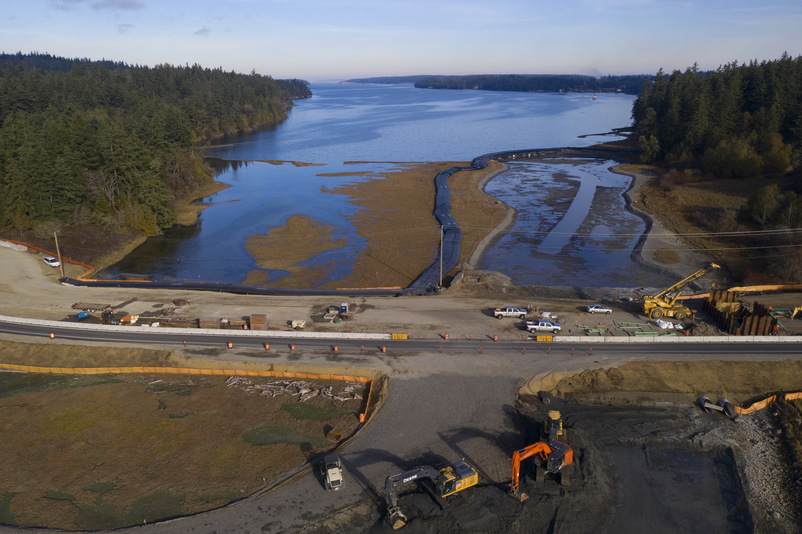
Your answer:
<point x="203" y="32"/>
<point x="118" y="4"/>
<point x="65" y="5"/>
<point x="124" y="28"/>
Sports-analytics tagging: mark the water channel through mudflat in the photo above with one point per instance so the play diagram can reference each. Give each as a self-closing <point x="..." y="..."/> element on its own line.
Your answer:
<point x="572" y="227"/>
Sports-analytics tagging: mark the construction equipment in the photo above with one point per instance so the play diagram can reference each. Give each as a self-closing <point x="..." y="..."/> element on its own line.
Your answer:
<point x="553" y="426"/>
<point x="663" y="303"/>
<point x="447" y="481"/>
<point x="555" y="455"/>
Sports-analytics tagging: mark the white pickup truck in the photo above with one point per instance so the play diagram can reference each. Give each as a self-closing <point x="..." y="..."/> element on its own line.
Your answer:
<point x="509" y="311"/>
<point x="543" y="326"/>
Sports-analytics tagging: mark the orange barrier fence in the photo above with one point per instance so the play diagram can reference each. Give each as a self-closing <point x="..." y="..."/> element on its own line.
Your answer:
<point x="182" y="371"/>
<point x="759" y="405"/>
<point x="89" y="268"/>
<point x="195" y="371"/>
<point x="780" y="287"/>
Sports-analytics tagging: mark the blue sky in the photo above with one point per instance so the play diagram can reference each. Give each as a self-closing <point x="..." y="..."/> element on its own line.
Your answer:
<point x="326" y="40"/>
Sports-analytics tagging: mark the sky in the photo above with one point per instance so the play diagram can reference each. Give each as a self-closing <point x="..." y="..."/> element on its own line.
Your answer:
<point x="332" y="40"/>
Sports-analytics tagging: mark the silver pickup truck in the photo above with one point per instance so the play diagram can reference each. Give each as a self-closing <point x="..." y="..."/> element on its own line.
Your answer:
<point x="509" y="311"/>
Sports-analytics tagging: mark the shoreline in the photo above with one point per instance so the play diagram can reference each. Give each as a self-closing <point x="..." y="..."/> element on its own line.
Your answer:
<point x="496" y="233"/>
<point x="385" y="264"/>
<point x="657" y="240"/>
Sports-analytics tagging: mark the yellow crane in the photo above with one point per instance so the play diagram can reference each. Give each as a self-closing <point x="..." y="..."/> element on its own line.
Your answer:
<point x="663" y="304"/>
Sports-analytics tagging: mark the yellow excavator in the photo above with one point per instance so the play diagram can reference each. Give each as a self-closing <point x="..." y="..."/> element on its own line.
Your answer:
<point x="447" y="481"/>
<point x="663" y="304"/>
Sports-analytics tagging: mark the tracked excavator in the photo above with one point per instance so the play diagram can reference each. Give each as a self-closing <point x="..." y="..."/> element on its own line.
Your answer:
<point x="555" y="455"/>
<point x="447" y="481"/>
<point x="664" y="304"/>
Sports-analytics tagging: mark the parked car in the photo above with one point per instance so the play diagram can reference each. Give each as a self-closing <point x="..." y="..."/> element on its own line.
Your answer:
<point x="598" y="308"/>
<point x="53" y="262"/>
<point x="332" y="471"/>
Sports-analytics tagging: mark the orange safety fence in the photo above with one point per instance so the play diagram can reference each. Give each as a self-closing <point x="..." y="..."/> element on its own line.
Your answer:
<point x="759" y="405"/>
<point x="747" y="289"/>
<point x="777" y="287"/>
<point x="182" y="371"/>
<point x="89" y="268"/>
<point x="196" y="371"/>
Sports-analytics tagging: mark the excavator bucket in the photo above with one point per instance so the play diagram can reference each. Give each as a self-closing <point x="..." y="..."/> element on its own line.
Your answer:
<point x="519" y="495"/>
<point x="396" y="519"/>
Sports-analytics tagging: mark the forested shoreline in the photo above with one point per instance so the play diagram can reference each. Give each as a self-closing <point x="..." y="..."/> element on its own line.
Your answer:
<point x="553" y="83"/>
<point x="733" y="134"/>
<point x="109" y="147"/>
<point x="736" y="121"/>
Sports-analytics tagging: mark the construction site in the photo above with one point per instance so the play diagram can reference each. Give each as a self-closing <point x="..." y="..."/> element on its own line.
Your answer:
<point x="455" y="439"/>
<point x="643" y="417"/>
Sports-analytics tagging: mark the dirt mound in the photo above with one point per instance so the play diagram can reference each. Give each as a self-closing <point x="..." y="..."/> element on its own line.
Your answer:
<point x="738" y="381"/>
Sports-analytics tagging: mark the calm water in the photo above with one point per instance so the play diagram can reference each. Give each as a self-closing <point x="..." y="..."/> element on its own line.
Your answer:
<point x="363" y="128"/>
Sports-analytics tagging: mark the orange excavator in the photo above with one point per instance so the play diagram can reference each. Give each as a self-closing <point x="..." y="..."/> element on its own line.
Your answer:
<point x="555" y="456"/>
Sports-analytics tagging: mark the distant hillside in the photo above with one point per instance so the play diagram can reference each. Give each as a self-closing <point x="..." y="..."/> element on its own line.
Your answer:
<point x="526" y="83"/>
<point x="390" y="79"/>
<point x="547" y="83"/>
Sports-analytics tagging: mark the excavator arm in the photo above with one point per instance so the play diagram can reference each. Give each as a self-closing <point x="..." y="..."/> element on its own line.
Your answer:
<point x="395" y="516"/>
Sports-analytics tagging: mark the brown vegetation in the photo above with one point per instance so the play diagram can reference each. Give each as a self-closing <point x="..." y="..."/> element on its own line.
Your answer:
<point x="703" y="209"/>
<point x="103" y="451"/>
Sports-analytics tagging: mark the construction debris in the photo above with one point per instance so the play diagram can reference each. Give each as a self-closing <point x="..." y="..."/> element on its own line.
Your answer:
<point x="303" y="389"/>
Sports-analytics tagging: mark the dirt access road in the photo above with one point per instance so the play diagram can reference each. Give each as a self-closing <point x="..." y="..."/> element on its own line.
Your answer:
<point x="442" y="407"/>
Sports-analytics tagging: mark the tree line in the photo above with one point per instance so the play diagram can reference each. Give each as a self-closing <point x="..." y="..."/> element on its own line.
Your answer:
<point x="741" y="121"/>
<point x="630" y="84"/>
<point x="737" y="121"/>
<point x="113" y="145"/>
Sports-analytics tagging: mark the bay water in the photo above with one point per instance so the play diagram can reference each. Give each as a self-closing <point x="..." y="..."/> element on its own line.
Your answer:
<point x="346" y="131"/>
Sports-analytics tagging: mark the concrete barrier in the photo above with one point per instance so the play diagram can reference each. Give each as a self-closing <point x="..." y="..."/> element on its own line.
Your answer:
<point x="232" y="333"/>
<point x="677" y="339"/>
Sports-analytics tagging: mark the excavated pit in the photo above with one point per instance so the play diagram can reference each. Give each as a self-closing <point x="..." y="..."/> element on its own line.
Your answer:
<point x="647" y="458"/>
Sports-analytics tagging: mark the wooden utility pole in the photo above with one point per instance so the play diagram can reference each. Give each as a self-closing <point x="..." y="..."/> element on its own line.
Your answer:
<point x="58" y="254"/>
